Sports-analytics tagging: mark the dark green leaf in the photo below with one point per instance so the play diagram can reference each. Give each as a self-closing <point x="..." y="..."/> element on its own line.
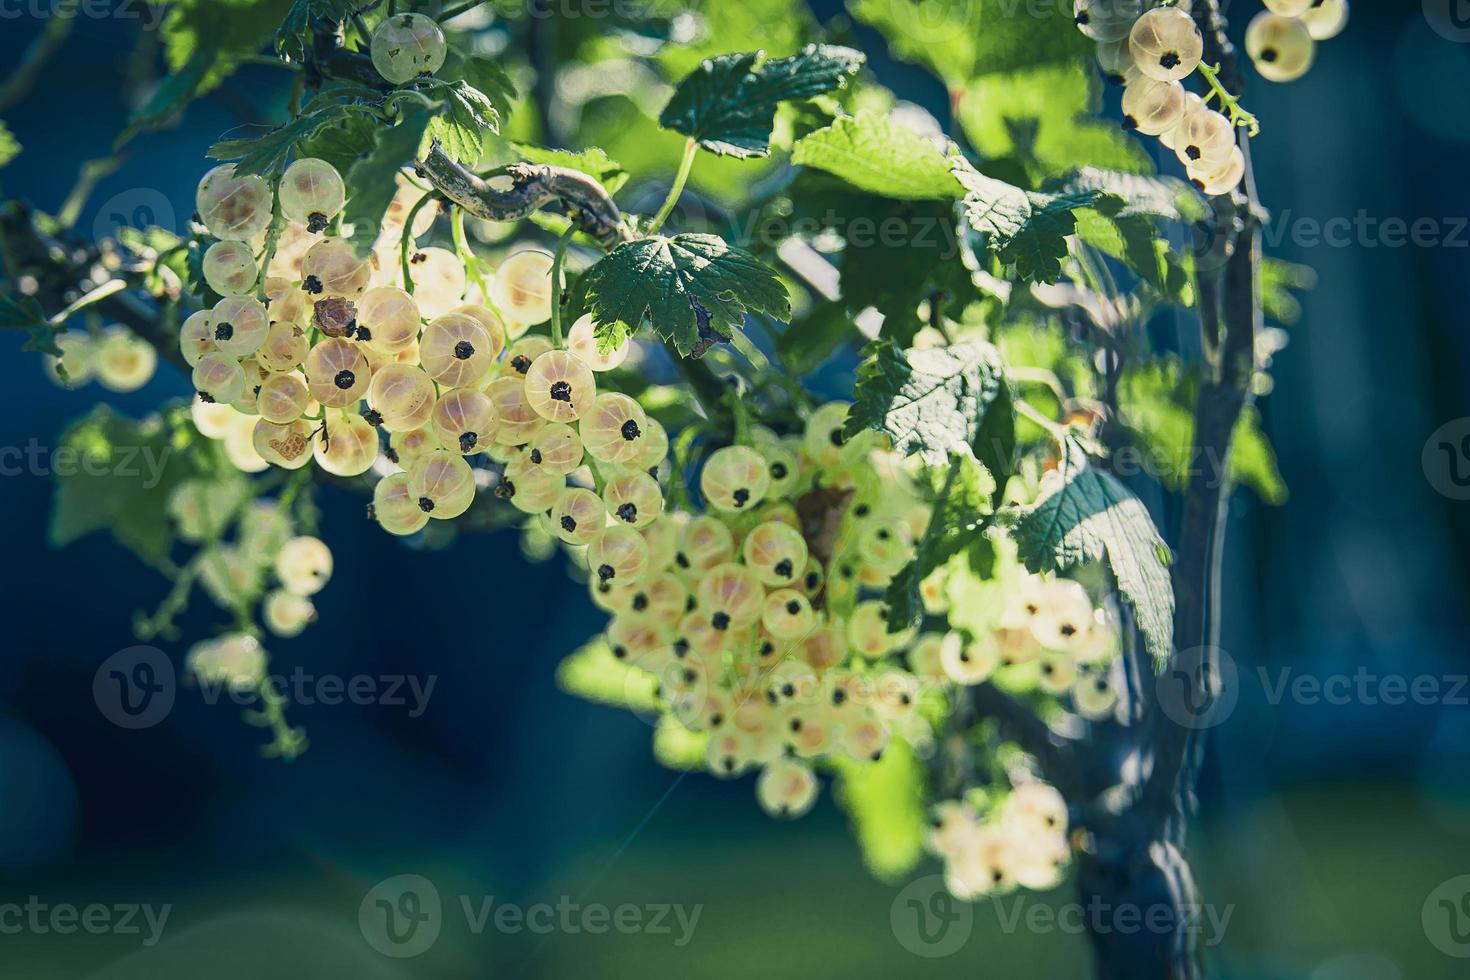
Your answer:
<point x="874" y="153"/>
<point x="373" y="178"/>
<point x="1086" y="515"/>
<point x="340" y="143"/>
<point x="27" y="315"/>
<point x="1027" y="230"/>
<point x="593" y="162"/>
<point x="885" y="801"/>
<point x="293" y="39"/>
<point x="729" y="102"/>
<point x="267" y="154"/>
<point x="468" y="117"/>
<point x="694" y="289"/>
<point x="8" y="145"/>
<point x="483" y="74"/>
<point x="930" y="401"/>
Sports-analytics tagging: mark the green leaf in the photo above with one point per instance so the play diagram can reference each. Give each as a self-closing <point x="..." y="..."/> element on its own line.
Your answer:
<point x="694" y="289"/>
<point x="267" y="154"/>
<point x="592" y="672"/>
<point x="1278" y="279"/>
<point x="373" y="178"/>
<point x="931" y="401"/>
<point x="9" y="147"/>
<point x="1027" y="230"/>
<point x="172" y="94"/>
<point x="1086" y="515"/>
<point x="483" y="74"/>
<point x="676" y="747"/>
<point x="962" y="511"/>
<point x="27" y="315"/>
<point x="342" y="141"/>
<point x="468" y="117"/>
<point x="1122" y="194"/>
<point x="117" y="474"/>
<point x="885" y="802"/>
<point x="876" y="154"/>
<point x="293" y="39"/>
<point x="593" y="161"/>
<point x="729" y="102"/>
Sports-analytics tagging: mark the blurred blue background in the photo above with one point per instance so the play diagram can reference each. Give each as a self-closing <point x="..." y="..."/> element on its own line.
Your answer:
<point x="1326" y="826"/>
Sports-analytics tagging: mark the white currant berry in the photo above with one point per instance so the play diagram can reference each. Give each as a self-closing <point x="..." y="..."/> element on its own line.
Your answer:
<point x="337" y="373"/>
<point x="331" y="268"/>
<point x="442" y="483"/>
<point x="348" y="447"/>
<point x="282" y="398"/>
<point x="560" y="387"/>
<point x="1166" y="45"/>
<point x="406" y="46"/>
<point x="578" y="516"/>
<point x="229" y="268"/>
<point x="464" y="421"/>
<point x="286" y="445"/>
<point x="734" y="479"/>
<point x="731" y="595"/>
<point x="1289" y="8"/>
<point x="1153" y="107"/>
<point x="617" y="554"/>
<point x="521" y="288"/>
<point x="633" y="498"/>
<point x="456" y="350"/>
<point x="240" y="325"/>
<point x="582" y="341"/>
<point x="286" y="614"/>
<point x="1104" y="20"/>
<point x="438" y="280"/>
<point x="233" y="208"/>
<point x="776" y="553"/>
<point x="1222" y="178"/>
<point x="304" y="565"/>
<point x="1281" y="47"/>
<point x="403" y="396"/>
<point x="786" y="789"/>
<point x="1326" y="19"/>
<point x="123" y="361"/>
<point x="312" y="193"/>
<point x="823" y="439"/>
<point x="218" y="378"/>
<point x="612" y="432"/>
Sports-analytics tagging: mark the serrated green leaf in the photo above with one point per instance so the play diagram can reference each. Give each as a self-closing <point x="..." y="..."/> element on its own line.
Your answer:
<point x="27" y="315"/>
<point x="874" y="153"/>
<point x="9" y="147"/>
<point x="885" y="802"/>
<point x="694" y="289"/>
<point x="467" y="118"/>
<point x="729" y="102"/>
<point x="343" y="141"/>
<point x="1026" y="230"/>
<point x="931" y="401"/>
<point x="293" y="39"/>
<point x="593" y="161"/>
<point x="1086" y="515"/>
<point x="483" y="74"/>
<point x="373" y="178"/>
<point x="1122" y="194"/>
<point x="592" y="672"/>
<point x="267" y="154"/>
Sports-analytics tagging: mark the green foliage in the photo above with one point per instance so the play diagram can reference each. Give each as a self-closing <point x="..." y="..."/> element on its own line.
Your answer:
<point x="27" y="315"/>
<point x="885" y="802"/>
<point x="373" y="177"/>
<point x="874" y="154"/>
<point x="592" y="672"/>
<point x="1158" y="410"/>
<point x="1027" y="230"/>
<point x="293" y="38"/>
<point x="115" y="474"/>
<point x="728" y="104"/>
<point x="487" y="76"/>
<point x="694" y="289"/>
<point x="9" y="146"/>
<point x="1278" y="279"/>
<point x="467" y="118"/>
<point x="676" y="747"/>
<point x="931" y="401"/>
<point x="268" y="154"/>
<point x="1087" y="515"/>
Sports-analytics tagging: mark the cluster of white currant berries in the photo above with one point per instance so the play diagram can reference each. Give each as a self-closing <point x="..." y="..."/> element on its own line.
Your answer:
<point x="754" y="616"/>
<point x="116" y="358"/>
<point x="1150" y="47"/>
<point x="991" y="846"/>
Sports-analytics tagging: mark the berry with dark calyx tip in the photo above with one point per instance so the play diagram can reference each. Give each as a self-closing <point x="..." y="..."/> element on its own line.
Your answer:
<point x="839" y="696"/>
<point x="464" y="350"/>
<point x="561" y="392"/>
<point x="788" y="690"/>
<point x="536" y="456"/>
<point x="224" y="331"/>
<point x="467" y="441"/>
<point x="312" y="285"/>
<point x="778" y="470"/>
<point x="681" y="647"/>
<point x="372" y="512"/>
<point x="741" y="497"/>
<point x="861" y="510"/>
<point x="783" y="568"/>
<point x="521" y="363"/>
<point x="373" y="417"/>
<point x="793" y="607"/>
<point x="767" y="648"/>
<point x="628" y="513"/>
<point x="206" y="397"/>
<point x="568" y="523"/>
<point x="425" y="504"/>
<point x="715" y="720"/>
<point x="796" y="724"/>
<point x="620" y="652"/>
<point x="316" y="222"/>
<point x="605" y="572"/>
<point x="363" y="333"/>
<point x="630" y="430"/>
<point x="392" y="454"/>
<point x="505" y="490"/>
<point x="345" y="379"/>
<point x="720" y="621"/>
<point x="640" y="602"/>
<point x="813" y="580"/>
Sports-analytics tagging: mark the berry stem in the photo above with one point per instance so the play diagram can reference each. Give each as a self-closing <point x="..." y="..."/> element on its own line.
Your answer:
<point x="272" y="238"/>
<point x="1238" y="116"/>
<point x="558" y="258"/>
<point x="680" y="179"/>
<point x="406" y="238"/>
<point x="467" y="255"/>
